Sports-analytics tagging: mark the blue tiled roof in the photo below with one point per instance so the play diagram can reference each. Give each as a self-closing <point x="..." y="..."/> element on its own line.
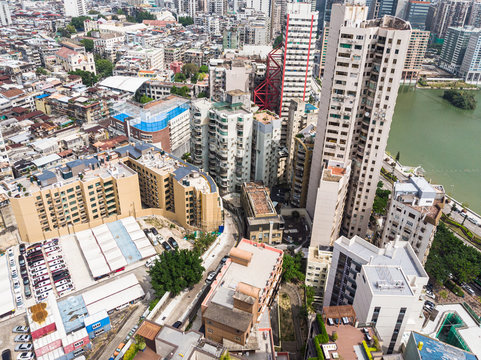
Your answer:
<point x="436" y="350"/>
<point x="46" y="175"/>
<point x="42" y="96"/>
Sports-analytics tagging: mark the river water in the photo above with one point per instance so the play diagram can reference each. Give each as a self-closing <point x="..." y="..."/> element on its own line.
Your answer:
<point x="444" y="140"/>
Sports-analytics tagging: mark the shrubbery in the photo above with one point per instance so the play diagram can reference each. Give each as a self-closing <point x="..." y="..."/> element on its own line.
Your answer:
<point x="461" y="99"/>
<point x="323" y="336"/>
<point x="454" y="288"/>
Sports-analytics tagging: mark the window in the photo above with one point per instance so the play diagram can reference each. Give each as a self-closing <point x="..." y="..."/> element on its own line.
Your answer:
<point x="375" y="314"/>
<point x="96" y="326"/>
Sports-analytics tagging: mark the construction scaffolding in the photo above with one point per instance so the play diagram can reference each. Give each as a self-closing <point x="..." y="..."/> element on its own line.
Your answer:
<point x="267" y="94"/>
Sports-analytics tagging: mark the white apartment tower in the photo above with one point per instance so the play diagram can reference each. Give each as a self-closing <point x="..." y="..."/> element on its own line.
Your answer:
<point x="74" y="8"/>
<point x="266" y="136"/>
<point x="5" y="16"/>
<point x="363" y="69"/>
<point x="199" y="139"/>
<point x="414" y="213"/>
<point x="299" y="36"/>
<point x="230" y="138"/>
<point x="384" y="285"/>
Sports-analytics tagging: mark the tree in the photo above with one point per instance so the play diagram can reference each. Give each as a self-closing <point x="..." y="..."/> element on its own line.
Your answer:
<point x="449" y="255"/>
<point x="179" y="77"/>
<point x="183" y="91"/>
<point x="292" y="268"/>
<point x="93" y="12"/>
<point x="88" y="44"/>
<point x="204" y="241"/>
<point x="78" y="22"/>
<point x="140" y="16"/>
<point x="380" y="201"/>
<point x="186" y="157"/>
<point x="190" y="69"/>
<point x="194" y="78"/>
<point x="204" y="69"/>
<point x="88" y="78"/>
<point x="202" y="94"/>
<point x="462" y="99"/>
<point x="104" y="67"/>
<point x="144" y="99"/>
<point x="63" y="32"/>
<point x="41" y="71"/>
<point x="120" y="12"/>
<point x="277" y="41"/>
<point x="185" y="20"/>
<point x="71" y="29"/>
<point x="176" y="271"/>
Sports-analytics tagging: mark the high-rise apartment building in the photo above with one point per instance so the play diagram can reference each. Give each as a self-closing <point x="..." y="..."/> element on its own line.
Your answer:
<point x="383" y="285"/>
<point x="199" y="140"/>
<point x="263" y="6"/>
<point x="82" y="191"/>
<point x="470" y="68"/>
<point x="418" y="44"/>
<point x="301" y="165"/>
<point x="417" y="13"/>
<point x="289" y="68"/>
<point x="364" y="65"/>
<point x="5" y="15"/>
<point x="184" y="193"/>
<point x="75" y="8"/>
<point x="301" y="115"/>
<point x="414" y="213"/>
<point x="299" y="35"/>
<point x="230" y="139"/>
<point x="455" y="46"/>
<point x="448" y="13"/>
<point x="266" y="135"/>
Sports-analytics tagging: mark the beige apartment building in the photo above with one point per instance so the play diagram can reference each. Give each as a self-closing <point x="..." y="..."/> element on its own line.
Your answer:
<point x="418" y="44"/>
<point x="50" y="203"/>
<point x="263" y="222"/>
<point x="187" y="195"/>
<point x="364" y="64"/>
<point x="86" y="192"/>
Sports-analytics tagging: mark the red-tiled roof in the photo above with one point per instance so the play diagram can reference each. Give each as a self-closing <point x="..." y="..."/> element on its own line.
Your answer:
<point x="12" y="93"/>
<point x="65" y="53"/>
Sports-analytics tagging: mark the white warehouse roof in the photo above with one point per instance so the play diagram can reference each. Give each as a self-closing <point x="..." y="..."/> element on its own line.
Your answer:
<point x="7" y="303"/>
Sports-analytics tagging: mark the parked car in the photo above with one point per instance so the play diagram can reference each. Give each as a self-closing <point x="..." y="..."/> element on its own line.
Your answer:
<point x="27" y="291"/>
<point x="22" y="249"/>
<point x="430" y="294"/>
<point x="24" y="347"/>
<point x="210" y="277"/>
<point x="119" y="349"/>
<point x="429" y="303"/>
<point x="146" y="232"/>
<point x="21" y="260"/>
<point x="21" y="329"/>
<point x="224" y="259"/>
<point x="173" y="243"/>
<point x="23" y="338"/>
<point x="10" y="252"/>
<point x="154" y="231"/>
<point x="26" y="281"/>
<point x="6" y="354"/>
<point x="368" y="336"/>
<point x="57" y="267"/>
<point x="25" y="356"/>
<point x="166" y="246"/>
<point x="14" y="274"/>
<point x="177" y="324"/>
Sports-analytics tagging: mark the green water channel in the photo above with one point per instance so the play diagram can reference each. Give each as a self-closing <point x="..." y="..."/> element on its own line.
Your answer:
<point x="444" y="140"/>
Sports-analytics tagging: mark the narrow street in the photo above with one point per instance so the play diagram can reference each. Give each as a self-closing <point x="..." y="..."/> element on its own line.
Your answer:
<point x="294" y="348"/>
